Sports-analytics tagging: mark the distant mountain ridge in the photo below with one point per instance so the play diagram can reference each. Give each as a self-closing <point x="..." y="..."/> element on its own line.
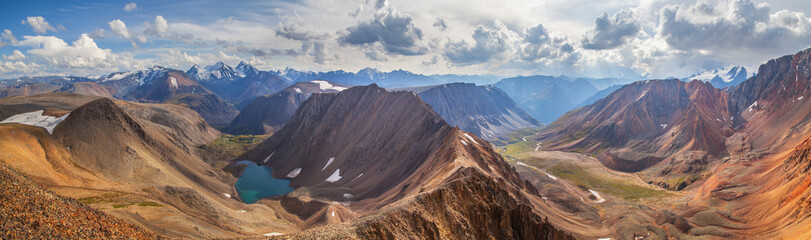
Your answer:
<point x="723" y="77"/>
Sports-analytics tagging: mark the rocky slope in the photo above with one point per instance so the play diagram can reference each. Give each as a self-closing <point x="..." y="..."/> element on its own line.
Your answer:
<point x="352" y="153"/>
<point x="645" y="123"/>
<point x="267" y="114"/>
<point x="483" y="110"/>
<point x="29" y="211"/>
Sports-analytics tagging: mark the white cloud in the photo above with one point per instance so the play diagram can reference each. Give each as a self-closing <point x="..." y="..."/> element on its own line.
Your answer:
<point x="38" y="24"/>
<point x="120" y="29"/>
<point x="15" y="56"/>
<point x="82" y="53"/>
<point x="130" y="7"/>
<point x="7" y="37"/>
<point x="159" y="27"/>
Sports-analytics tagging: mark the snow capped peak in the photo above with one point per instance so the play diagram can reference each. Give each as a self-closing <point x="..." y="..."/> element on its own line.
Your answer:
<point x="726" y="74"/>
<point x="245" y="69"/>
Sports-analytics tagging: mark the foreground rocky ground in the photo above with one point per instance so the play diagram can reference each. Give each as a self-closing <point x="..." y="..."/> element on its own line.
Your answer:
<point x="30" y="212"/>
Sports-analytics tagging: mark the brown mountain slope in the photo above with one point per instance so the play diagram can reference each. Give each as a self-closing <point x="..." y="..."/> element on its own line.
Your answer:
<point x="267" y="114"/>
<point x="646" y="123"/>
<point x="352" y="153"/>
<point x="31" y="212"/>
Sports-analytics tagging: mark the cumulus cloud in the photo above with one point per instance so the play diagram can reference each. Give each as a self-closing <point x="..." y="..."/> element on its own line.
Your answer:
<point x="130" y="7"/>
<point x="440" y="24"/>
<point x="540" y="45"/>
<point x="99" y="33"/>
<point x="7" y="37"/>
<point x="381" y="4"/>
<point x="82" y="53"/>
<point x="15" y="56"/>
<point x="495" y="42"/>
<point x="394" y="31"/>
<point x="160" y="28"/>
<point x="38" y="24"/>
<point x="119" y="28"/>
<point x="611" y="32"/>
<point x="737" y="24"/>
<point x="295" y="32"/>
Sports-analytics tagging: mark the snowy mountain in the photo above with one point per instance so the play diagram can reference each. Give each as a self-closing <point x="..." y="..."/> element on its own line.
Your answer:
<point x="219" y="72"/>
<point x="723" y="77"/>
<point x="366" y="76"/>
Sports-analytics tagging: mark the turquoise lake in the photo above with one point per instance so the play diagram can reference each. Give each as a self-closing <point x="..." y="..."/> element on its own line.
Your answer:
<point x="257" y="182"/>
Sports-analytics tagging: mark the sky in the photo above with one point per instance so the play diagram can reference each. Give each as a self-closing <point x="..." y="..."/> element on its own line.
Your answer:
<point x="609" y="38"/>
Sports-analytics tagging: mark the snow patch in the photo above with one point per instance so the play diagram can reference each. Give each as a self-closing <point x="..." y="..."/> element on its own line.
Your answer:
<point x="268" y="158"/>
<point x="663" y="126"/>
<point x="361" y="174"/>
<point x="800" y="98"/>
<point x="297" y="90"/>
<point x="348" y="195"/>
<point x="294" y="173"/>
<point x="242" y="211"/>
<point x="328" y="163"/>
<point x="753" y="105"/>
<point x="227" y="195"/>
<point x="597" y="195"/>
<point x="463" y="142"/>
<point x="550" y="176"/>
<point x="37" y="119"/>
<point x="333" y="213"/>
<point x="335" y="176"/>
<point x="273" y="234"/>
<point x="324" y="85"/>
<point x="173" y="81"/>
<point x="471" y="138"/>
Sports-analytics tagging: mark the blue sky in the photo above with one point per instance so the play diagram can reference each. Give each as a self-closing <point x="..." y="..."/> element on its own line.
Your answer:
<point x="611" y="38"/>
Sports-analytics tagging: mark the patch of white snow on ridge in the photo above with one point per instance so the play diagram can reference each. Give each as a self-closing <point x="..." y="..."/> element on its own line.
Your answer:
<point x="268" y="158"/>
<point x="663" y="126"/>
<point x="753" y="105"/>
<point x="242" y="211"/>
<point x="227" y="195"/>
<point x="333" y="213"/>
<point x="273" y="234"/>
<point x="328" y="163"/>
<point x="348" y="195"/>
<point x="297" y="90"/>
<point x="471" y="138"/>
<point x="118" y="76"/>
<point x="597" y="195"/>
<point x="36" y="119"/>
<point x="361" y="174"/>
<point x="324" y="85"/>
<point x="335" y="176"/>
<point x="294" y="173"/>
<point x="550" y="176"/>
<point x="173" y="81"/>
<point x="800" y="98"/>
<point x="463" y="142"/>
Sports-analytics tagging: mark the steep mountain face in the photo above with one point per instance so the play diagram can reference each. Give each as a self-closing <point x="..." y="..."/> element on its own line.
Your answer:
<point x="545" y="97"/>
<point x="267" y="114"/>
<point x="483" y="110"/>
<point x="351" y="153"/>
<point x="723" y="77"/>
<point x="243" y="83"/>
<point x="644" y="123"/>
